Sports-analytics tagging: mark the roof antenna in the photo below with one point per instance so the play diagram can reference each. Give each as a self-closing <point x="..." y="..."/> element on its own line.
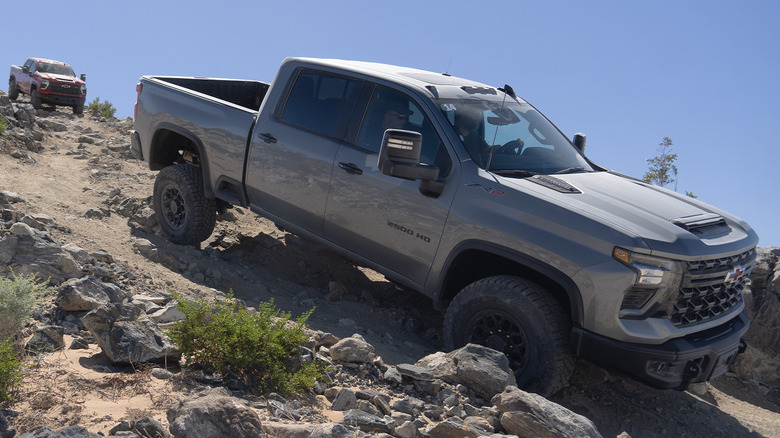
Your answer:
<point x="447" y="72"/>
<point x="507" y="91"/>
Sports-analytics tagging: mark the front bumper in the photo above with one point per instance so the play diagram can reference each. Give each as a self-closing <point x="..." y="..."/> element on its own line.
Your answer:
<point x="697" y="357"/>
<point x="60" y="99"/>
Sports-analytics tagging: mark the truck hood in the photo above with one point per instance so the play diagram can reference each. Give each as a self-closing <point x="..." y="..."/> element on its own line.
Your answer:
<point x="668" y="223"/>
<point x="61" y="78"/>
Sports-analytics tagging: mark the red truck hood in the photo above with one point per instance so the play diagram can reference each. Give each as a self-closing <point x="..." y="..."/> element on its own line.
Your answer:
<point x="61" y="78"/>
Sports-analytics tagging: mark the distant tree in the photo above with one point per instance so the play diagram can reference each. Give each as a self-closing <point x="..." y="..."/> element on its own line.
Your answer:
<point x="663" y="170"/>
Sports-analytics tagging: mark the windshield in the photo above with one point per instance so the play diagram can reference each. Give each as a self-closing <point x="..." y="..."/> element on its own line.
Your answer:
<point x="510" y="137"/>
<point x="57" y="69"/>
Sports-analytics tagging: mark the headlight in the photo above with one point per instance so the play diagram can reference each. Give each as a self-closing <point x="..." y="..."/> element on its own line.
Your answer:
<point x="655" y="290"/>
<point x="44" y="84"/>
<point x="83" y="89"/>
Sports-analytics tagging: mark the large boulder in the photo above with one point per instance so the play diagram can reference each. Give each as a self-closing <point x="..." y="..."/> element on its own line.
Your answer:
<point x="87" y="293"/>
<point x="126" y="335"/>
<point x="484" y="370"/>
<point x="763" y="302"/>
<point x="526" y="414"/>
<point x="25" y="250"/>
<point x="67" y="432"/>
<point x="353" y="349"/>
<point x="213" y="414"/>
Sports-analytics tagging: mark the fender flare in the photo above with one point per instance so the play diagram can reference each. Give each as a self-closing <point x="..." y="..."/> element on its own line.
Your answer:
<point x="155" y="164"/>
<point x="570" y="288"/>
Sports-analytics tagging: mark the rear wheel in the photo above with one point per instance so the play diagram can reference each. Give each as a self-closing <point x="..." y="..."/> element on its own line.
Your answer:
<point x="520" y="319"/>
<point x="183" y="211"/>
<point x="35" y="98"/>
<point x="13" y="90"/>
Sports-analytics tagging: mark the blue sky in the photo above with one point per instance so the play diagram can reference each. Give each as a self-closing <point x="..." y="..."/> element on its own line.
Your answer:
<point x="626" y="73"/>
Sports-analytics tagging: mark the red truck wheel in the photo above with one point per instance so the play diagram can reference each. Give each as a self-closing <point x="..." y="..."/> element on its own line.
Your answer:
<point x="35" y="98"/>
<point x="78" y="109"/>
<point x="13" y="90"/>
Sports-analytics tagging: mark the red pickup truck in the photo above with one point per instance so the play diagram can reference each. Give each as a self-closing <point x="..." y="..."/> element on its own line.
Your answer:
<point x="48" y="81"/>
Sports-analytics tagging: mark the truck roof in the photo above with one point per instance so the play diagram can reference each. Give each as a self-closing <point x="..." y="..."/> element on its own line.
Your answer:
<point x="445" y="84"/>
<point x="49" y="61"/>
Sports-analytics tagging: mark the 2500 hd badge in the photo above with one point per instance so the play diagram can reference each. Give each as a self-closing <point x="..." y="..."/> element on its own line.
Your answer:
<point x="408" y="231"/>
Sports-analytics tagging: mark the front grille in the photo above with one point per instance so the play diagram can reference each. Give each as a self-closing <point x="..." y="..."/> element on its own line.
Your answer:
<point x="64" y="88"/>
<point x="712" y="287"/>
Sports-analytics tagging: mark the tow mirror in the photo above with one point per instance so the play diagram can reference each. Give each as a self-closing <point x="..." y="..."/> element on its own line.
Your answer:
<point x="84" y="77"/>
<point x="399" y="156"/>
<point x="579" y="142"/>
<point x="26" y="69"/>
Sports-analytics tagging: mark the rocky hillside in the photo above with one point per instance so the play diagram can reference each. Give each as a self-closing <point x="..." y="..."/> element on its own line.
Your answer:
<point x="75" y="209"/>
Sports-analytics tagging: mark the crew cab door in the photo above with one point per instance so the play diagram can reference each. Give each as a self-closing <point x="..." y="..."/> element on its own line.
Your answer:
<point x="385" y="219"/>
<point x="24" y="81"/>
<point x="292" y="151"/>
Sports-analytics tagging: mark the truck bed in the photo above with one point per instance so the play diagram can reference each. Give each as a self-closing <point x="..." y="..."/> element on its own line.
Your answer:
<point x="215" y="114"/>
<point x="249" y="94"/>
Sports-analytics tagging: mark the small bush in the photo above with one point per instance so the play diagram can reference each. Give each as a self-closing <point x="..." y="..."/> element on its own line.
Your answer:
<point x="10" y="370"/>
<point x="19" y="296"/>
<point x="3" y="125"/>
<point x="261" y="348"/>
<point x="104" y="109"/>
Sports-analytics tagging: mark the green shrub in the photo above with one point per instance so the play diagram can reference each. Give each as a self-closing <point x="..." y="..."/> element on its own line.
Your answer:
<point x="261" y="348"/>
<point x="3" y="125"/>
<point x="19" y="296"/>
<point x="10" y="370"/>
<point x="104" y="109"/>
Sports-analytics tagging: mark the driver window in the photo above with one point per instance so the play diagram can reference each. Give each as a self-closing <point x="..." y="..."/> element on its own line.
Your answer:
<point x="389" y="109"/>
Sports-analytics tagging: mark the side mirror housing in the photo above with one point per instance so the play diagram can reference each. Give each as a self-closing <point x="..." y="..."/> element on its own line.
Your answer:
<point x="579" y="142"/>
<point x="26" y="69"/>
<point x="399" y="156"/>
<point x="83" y="77"/>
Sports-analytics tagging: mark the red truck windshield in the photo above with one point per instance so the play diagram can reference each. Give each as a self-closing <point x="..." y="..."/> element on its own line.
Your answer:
<point x="57" y="69"/>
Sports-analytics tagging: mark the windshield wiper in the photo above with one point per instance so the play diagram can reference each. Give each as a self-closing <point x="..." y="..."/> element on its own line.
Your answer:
<point x="570" y="170"/>
<point x="515" y="172"/>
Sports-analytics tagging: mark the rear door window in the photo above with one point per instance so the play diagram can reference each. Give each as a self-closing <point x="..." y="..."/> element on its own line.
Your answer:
<point x="320" y="102"/>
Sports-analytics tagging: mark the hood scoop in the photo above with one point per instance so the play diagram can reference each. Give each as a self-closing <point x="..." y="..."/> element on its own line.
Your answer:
<point x="556" y="184"/>
<point x="703" y="225"/>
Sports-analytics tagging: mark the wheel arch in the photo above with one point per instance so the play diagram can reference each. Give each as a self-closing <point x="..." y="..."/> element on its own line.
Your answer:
<point x="474" y="260"/>
<point x="171" y="144"/>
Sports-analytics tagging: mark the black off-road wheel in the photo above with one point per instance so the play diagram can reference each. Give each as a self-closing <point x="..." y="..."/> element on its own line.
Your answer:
<point x="78" y="109"/>
<point x="183" y="211"/>
<point x="13" y="90"/>
<point x="521" y="319"/>
<point x="35" y="98"/>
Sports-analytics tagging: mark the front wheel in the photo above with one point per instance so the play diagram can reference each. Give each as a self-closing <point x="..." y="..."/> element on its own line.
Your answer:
<point x="78" y="109"/>
<point x="519" y="318"/>
<point x="35" y="98"/>
<point x="183" y="211"/>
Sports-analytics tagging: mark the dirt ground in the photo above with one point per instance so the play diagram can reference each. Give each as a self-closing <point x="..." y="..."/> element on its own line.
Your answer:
<point x="257" y="261"/>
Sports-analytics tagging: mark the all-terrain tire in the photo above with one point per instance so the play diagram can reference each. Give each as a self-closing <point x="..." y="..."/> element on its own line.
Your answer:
<point x="78" y="109"/>
<point x="35" y="98"/>
<point x="184" y="213"/>
<point x="519" y="318"/>
<point x="13" y="90"/>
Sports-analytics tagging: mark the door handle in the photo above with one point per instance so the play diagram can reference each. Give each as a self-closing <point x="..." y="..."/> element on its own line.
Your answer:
<point x="351" y="168"/>
<point x="267" y="137"/>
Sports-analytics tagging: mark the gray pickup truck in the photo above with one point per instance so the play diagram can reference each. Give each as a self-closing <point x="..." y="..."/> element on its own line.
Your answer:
<point x="468" y="194"/>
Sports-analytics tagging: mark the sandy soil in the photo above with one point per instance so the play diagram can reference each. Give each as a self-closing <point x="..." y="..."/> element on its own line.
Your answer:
<point x="257" y="261"/>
